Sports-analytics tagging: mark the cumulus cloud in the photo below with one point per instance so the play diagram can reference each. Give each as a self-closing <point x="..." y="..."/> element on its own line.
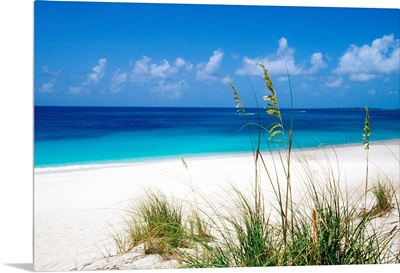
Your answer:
<point x="227" y="79"/>
<point x="361" y="77"/>
<point x="47" y="87"/>
<point x="209" y="71"/>
<point x="141" y="68"/>
<point x="75" y="90"/>
<point x="317" y="63"/>
<point x="97" y="73"/>
<point x="118" y="81"/>
<point x="334" y="83"/>
<point x="159" y="70"/>
<point x="364" y="62"/>
<point x="144" y="71"/>
<point x="392" y="93"/>
<point x="92" y="78"/>
<point x="52" y="78"/>
<point x="281" y="62"/>
<point x="250" y="66"/>
<point x="172" y="90"/>
<point x="180" y="65"/>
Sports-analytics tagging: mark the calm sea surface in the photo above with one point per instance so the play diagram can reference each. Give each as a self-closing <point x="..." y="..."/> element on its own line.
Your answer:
<point x="85" y="135"/>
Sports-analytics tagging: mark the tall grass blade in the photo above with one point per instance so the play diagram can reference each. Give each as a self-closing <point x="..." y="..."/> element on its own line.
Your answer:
<point x="272" y="107"/>
<point x="367" y="129"/>
<point x="366" y="136"/>
<point x="238" y="101"/>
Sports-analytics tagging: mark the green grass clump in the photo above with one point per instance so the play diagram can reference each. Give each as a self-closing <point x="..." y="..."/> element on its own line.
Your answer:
<point x="383" y="195"/>
<point x="242" y="236"/>
<point x="200" y="230"/>
<point x="249" y="242"/>
<point x="163" y="223"/>
<point x="342" y="235"/>
<point x="157" y="223"/>
<point x="253" y="246"/>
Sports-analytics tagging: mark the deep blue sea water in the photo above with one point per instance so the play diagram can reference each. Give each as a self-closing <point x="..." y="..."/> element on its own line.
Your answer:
<point x="86" y="135"/>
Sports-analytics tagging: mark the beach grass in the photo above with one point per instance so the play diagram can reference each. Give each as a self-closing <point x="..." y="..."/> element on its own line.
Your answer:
<point x="334" y="226"/>
<point x="383" y="194"/>
<point x="155" y="222"/>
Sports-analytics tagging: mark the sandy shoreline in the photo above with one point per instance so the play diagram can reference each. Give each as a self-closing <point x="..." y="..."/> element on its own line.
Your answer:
<point x="75" y="207"/>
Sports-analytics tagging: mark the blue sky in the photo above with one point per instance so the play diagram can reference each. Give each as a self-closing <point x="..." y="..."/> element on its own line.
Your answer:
<point x="129" y="54"/>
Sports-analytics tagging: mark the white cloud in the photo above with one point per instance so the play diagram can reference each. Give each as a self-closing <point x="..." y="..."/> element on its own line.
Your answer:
<point x="78" y="90"/>
<point x="214" y="62"/>
<point x="172" y="90"/>
<point x="179" y="62"/>
<point x="381" y="57"/>
<point x="180" y="65"/>
<point x="91" y="79"/>
<point x="209" y="71"/>
<point x="227" y="79"/>
<point x="317" y="62"/>
<point x="282" y="79"/>
<point x="141" y="68"/>
<point x="144" y="71"/>
<point x="361" y="77"/>
<point x="48" y="86"/>
<point x="118" y="80"/>
<point x="334" y="83"/>
<point x="392" y="93"/>
<point x="97" y="74"/>
<point x="159" y="70"/>
<point x="251" y="67"/>
<point x="281" y="62"/>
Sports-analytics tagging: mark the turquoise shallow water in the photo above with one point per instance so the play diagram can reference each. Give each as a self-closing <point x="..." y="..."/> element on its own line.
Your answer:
<point x="85" y="135"/>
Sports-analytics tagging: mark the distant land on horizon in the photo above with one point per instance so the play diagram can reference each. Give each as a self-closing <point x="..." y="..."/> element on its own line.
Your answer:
<point x="222" y="107"/>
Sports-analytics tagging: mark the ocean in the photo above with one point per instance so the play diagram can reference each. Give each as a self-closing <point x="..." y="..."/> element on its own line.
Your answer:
<point x="65" y="136"/>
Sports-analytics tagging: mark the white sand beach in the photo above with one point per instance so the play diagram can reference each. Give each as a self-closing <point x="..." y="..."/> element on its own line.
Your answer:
<point x="76" y="207"/>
